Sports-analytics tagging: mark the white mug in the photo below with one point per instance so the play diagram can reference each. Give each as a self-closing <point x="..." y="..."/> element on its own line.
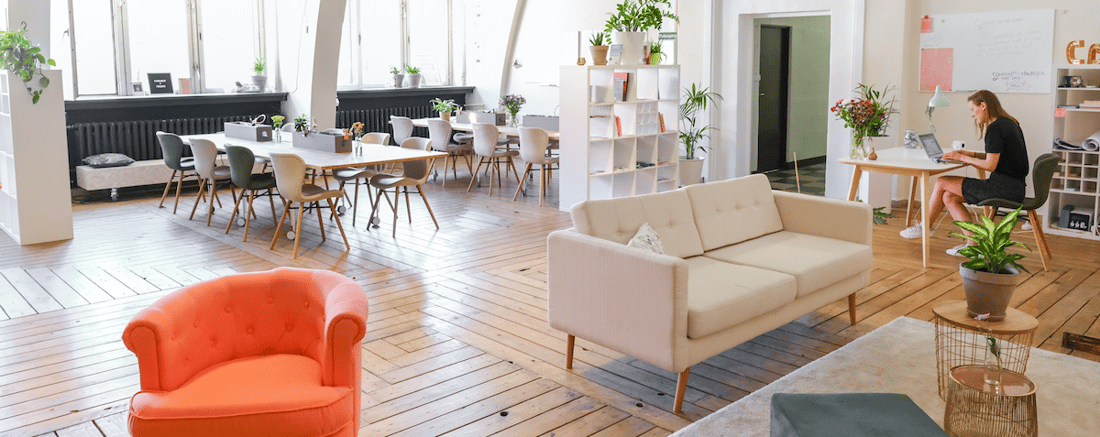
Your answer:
<point x="957" y="144"/>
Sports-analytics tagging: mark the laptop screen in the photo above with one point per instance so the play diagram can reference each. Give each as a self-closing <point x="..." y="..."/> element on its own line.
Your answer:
<point x="931" y="146"/>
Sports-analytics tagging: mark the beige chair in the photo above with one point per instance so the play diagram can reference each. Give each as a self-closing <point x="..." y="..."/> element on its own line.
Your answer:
<point x="290" y="170"/>
<point x="359" y="174"/>
<point x="439" y="130"/>
<point x="206" y="153"/>
<point x="415" y="173"/>
<point x="485" y="145"/>
<point x="533" y="142"/>
<point x="171" y="146"/>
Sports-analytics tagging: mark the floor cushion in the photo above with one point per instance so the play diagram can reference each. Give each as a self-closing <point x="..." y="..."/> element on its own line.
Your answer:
<point x="849" y="414"/>
<point x="721" y="294"/>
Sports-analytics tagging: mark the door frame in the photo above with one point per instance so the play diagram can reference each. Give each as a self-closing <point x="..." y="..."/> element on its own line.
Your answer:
<point x="785" y="88"/>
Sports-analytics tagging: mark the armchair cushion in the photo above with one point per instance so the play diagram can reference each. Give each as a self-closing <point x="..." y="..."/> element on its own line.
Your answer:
<point x="815" y="262"/>
<point x="724" y="295"/>
<point x="617" y="220"/>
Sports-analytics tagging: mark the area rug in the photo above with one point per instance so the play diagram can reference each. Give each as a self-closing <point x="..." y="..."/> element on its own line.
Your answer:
<point x="900" y="357"/>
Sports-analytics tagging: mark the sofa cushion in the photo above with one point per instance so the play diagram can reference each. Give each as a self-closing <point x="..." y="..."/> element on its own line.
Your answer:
<point x="648" y="240"/>
<point x="815" y="262"/>
<point x="722" y="294"/>
<point x="263" y="395"/>
<point x="617" y="220"/>
<point x="731" y="211"/>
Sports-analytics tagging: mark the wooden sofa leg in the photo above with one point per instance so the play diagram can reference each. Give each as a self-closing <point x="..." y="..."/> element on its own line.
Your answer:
<point x="681" y="387"/>
<point x="852" y="308"/>
<point x="569" y="351"/>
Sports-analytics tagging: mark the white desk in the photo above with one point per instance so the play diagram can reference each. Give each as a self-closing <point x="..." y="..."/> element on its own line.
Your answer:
<point x="905" y="162"/>
<point x="468" y="127"/>
<point x="373" y="154"/>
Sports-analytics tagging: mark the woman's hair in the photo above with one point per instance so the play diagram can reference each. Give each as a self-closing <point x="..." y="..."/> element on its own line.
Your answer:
<point x="993" y="109"/>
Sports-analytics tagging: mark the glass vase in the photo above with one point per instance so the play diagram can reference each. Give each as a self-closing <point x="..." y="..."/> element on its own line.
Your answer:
<point x="992" y="373"/>
<point x="859" y="152"/>
<point x="513" y="119"/>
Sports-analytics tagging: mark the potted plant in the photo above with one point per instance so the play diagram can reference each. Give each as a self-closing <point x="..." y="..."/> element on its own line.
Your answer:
<point x="398" y="77"/>
<point x="414" y="76"/>
<point x="599" y="48"/>
<point x="991" y="275"/>
<point x="259" y="79"/>
<point x="655" y="53"/>
<point x="631" y="20"/>
<point x="21" y="58"/>
<point x="301" y="124"/>
<point x="277" y="124"/>
<point x="695" y="99"/>
<point x="867" y="115"/>
<point x="445" y="107"/>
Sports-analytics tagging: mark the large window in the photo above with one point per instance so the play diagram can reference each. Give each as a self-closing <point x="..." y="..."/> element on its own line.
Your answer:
<point x="95" y="55"/>
<point x="229" y="41"/>
<point x="157" y="39"/>
<point x="382" y="34"/>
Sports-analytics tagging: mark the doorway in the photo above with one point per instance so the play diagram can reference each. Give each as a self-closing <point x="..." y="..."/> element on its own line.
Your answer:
<point x="772" y="104"/>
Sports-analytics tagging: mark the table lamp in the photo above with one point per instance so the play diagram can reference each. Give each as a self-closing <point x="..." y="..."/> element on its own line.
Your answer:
<point x="937" y="100"/>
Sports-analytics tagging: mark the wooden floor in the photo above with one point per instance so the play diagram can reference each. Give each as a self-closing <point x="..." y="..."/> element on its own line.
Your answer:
<point x="458" y="342"/>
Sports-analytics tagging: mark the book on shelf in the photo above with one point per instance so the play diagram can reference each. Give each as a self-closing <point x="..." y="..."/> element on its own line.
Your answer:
<point x="661" y="118"/>
<point x="622" y="79"/>
<point x="618" y="126"/>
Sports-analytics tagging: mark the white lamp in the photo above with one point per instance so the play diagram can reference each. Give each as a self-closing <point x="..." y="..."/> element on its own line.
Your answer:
<point x="937" y="100"/>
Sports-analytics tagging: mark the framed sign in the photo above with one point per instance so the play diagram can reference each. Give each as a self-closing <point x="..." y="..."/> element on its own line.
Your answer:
<point x="160" y="83"/>
<point x="614" y="53"/>
<point x="136" y="89"/>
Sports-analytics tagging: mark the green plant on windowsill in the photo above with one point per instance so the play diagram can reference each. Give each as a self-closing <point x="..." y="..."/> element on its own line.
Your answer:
<point x="395" y="70"/>
<point x="25" y="60"/>
<point x="259" y="66"/>
<point x="412" y="70"/>
<point x="639" y="15"/>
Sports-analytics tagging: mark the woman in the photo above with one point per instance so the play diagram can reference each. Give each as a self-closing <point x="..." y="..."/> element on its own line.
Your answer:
<point x="1005" y="159"/>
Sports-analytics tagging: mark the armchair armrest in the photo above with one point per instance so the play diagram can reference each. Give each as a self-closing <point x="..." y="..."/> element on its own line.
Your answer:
<point x="626" y="299"/>
<point x="346" y="312"/>
<point x="825" y="217"/>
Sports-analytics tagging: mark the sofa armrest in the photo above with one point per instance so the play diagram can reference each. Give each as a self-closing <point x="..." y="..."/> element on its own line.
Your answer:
<point x="629" y="300"/>
<point x="825" y="217"/>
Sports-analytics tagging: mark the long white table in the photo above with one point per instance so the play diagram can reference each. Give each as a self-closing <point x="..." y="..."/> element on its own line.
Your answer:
<point x="373" y="154"/>
<point x="469" y="127"/>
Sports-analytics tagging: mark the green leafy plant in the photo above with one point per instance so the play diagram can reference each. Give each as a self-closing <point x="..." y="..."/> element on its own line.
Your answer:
<point x="695" y="99"/>
<point x="880" y="216"/>
<point x="868" y="114"/>
<point x="395" y="70"/>
<point x="639" y="15"/>
<point x="412" y="70"/>
<point x="655" y="52"/>
<point x="25" y="60"/>
<point x="277" y="121"/>
<point x="992" y="239"/>
<point x="301" y="123"/>
<point x="259" y="66"/>
<point x="598" y="39"/>
<point x="442" y="106"/>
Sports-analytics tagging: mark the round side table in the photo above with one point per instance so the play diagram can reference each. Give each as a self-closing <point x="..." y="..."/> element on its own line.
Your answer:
<point x="961" y="340"/>
<point x="975" y="408"/>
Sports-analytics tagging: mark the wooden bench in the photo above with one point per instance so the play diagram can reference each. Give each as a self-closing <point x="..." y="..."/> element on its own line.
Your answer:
<point x="134" y="175"/>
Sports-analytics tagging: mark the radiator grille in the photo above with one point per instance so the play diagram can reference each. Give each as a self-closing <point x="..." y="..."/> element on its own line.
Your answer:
<point x="136" y="139"/>
<point x="378" y="120"/>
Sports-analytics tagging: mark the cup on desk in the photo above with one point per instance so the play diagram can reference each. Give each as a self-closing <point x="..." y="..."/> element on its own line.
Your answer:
<point x="958" y="144"/>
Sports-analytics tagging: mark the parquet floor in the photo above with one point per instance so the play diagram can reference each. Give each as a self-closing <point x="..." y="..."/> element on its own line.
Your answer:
<point x="458" y="342"/>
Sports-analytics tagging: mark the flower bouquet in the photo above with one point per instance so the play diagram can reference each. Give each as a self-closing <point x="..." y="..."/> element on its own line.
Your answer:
<point x="511" y="104"/>
<point x="867" y="115"/>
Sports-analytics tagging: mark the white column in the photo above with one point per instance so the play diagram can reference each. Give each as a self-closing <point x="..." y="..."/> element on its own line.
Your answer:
<point x="315" y="63"/>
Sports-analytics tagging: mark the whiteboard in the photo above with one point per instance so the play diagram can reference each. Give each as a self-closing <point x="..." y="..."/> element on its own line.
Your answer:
<point x="1004" y="52"/>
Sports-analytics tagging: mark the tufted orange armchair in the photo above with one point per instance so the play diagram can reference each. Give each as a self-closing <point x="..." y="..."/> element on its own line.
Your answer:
<point x="275" y="353"/>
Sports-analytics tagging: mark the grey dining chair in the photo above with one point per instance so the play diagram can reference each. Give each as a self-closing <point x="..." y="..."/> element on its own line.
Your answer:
<point x="206" y="155"/>
<point x="241" y="162"/>
<point x="171" y="146"/>
<point x="1041" y="174"/>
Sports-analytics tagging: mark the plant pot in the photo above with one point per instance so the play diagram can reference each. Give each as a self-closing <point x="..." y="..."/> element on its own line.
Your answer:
<point x="259" y="81"/>
<point x="398" y="80"/>
<point x="445" y="116"/>
<point x="989" y="293"/>
<point x="655" y="59"/>
<point x="691" y="171"/>
<point x="414" y="80"/>
<point x="599" y="54"/>
<point x="633" y="46"/>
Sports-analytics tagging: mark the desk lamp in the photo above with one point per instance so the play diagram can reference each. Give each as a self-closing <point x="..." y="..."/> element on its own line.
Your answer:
<point x="937" y="100"/>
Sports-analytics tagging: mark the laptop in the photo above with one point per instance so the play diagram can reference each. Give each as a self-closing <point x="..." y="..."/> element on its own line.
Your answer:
<point x="932" y="148"/>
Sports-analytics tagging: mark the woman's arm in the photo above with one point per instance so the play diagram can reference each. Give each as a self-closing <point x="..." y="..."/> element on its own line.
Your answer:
<point x="984" y="161"/>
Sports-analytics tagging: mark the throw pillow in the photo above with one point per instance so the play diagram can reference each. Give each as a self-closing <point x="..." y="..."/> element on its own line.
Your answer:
<point x="647" y="239"/>
<point x="104" y="160"/>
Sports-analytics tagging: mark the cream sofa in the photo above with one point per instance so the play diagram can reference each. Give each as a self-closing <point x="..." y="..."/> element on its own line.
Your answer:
<point x="740" y="261"/>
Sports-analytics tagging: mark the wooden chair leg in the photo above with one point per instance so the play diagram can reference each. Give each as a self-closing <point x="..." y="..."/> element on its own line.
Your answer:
<point x="179" y="186"/>
<point x="526" y="172"/>
<point x="320" y="222"/>
<point x="247" y="217"/>
<point x="852" y="308"/>
<point x="202" y="187"/>
<point x="1040" y="239"/>
<point x="473" y="177"/>
<point x="681" y="388"/>
<point x="233" y="215"/>
<point x="426" y="205"/>
<point x="332" y="206"/>
<point x="167" y="187"/>
<point x="279" y="227"/>
<point x="298" y="229"/>
<point x="210" y="206"/>
<point x="569" y="341"/>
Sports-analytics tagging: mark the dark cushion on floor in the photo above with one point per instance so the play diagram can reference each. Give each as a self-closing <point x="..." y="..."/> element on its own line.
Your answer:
<point x="849" y="414"/>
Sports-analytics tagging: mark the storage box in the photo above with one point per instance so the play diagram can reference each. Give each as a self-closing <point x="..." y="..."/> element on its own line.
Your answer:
<point x="1080" y="220"/>
<point x="548" y="122"/>
<point x="323" y="141"/>
<point x="247" y="131"/>
<point x="497" y="118"/>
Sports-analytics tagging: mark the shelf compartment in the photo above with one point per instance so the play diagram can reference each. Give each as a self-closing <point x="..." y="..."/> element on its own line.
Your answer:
<point x="625" y="157"/>
<point x="600" y="156"/>
<point x="623" y="184"/>
<point x="647" y="150"/>
<point x="645" y="181"/>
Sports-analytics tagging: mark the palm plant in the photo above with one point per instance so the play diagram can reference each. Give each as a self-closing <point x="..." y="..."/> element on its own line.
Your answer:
<point x="695" y="99"/>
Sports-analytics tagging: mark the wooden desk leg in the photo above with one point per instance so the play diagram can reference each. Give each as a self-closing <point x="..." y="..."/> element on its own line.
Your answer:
<point x="925" y="220"/>
<point x="856" y="174"/>
<point x="912" y="200"/>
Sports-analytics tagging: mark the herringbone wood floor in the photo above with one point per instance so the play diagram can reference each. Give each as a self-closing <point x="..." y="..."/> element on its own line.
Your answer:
<point x="458" y="342"/>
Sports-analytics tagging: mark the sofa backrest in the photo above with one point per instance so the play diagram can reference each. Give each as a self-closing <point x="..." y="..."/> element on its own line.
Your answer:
<point x="731" y="211"/>
<point x="617" y="220"/>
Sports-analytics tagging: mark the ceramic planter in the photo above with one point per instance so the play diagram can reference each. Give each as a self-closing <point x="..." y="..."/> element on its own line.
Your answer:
<point x="398" y="80"/>
<point x="599" y="54"/>
<point x="414" y="80"/>
<point x="989" y="293"/>
<point x="633" y="46"/>
<point x="259" y="81"/>
<point x="445" y="116"/>
<point x="691" y="171"/>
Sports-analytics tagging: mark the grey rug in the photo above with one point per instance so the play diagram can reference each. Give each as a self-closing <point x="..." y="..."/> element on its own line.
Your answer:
<point x="900" y="357"/>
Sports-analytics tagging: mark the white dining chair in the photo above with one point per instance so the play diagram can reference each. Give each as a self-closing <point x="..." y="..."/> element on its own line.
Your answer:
<point x="290" y="171"/>
<point x="439" y="130"/>
<point x="206" y="154"/>
<point x="402" y="128"/>
<point x="485" y="145"/>
<point x="533" y="142"/>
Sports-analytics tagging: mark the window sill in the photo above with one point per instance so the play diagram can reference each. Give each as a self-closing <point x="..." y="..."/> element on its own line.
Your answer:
<point x="167" y="100"/>
<point x="403" y="92"/>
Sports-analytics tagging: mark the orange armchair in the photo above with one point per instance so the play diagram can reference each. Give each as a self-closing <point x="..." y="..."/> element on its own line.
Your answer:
<point x="274" y="353"/>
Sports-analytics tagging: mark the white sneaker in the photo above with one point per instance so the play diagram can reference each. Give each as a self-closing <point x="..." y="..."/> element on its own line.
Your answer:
<point x="914" y="232"/>
<point x="954" y="251"/>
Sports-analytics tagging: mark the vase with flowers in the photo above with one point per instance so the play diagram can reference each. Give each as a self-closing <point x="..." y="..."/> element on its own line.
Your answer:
<point x="511" y="104"/>
<point x="867" y="115"/>
<point x="277" y="124"/>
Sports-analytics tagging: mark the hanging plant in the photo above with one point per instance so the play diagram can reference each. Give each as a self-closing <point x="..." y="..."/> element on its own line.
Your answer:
<point x="25" y="60"/>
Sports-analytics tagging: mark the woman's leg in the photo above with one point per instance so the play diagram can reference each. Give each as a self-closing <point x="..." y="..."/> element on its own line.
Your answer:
<point x="948" y="193"/>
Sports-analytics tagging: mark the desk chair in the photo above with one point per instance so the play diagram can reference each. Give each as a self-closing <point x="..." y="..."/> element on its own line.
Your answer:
<point x="414" y="173"/>
<point x="485" y="145"/>
<point x="241" y="161"/>
<point x="360" y="174"/>
<point x="171" y="146"/>
<point x="402" y="128"/>
<point x="439" y="130"/>
<point x="1041" y="173"/>
<point x="206" y="153"/>
<point x="290" y="170"/>
<point x="533" y="143"/>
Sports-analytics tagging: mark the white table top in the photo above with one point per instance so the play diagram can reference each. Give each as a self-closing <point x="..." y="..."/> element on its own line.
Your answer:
<point x="901" y="158"/>
<point x="468" y="127"/>
<point x="373" y="154"/>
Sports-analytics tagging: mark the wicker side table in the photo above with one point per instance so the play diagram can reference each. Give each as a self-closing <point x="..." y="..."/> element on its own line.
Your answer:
<point x="977" y="409"/>
<point x="961" y="340"/>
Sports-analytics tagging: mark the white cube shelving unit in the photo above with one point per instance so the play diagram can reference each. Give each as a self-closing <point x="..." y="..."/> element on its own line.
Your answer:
<point x="599" y="162"/>
<point x="1076" y="181"/>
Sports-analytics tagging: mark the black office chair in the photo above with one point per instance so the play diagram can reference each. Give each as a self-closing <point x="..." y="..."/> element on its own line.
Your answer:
<point x="241" y="162"/>
<point x="1041" y="173"/>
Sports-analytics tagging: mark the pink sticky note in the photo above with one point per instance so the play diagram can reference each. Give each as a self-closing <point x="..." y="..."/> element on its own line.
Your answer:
<point x="926" y="24"/>
<point x="936" y="67"/>
<point x="1060" y="112"/>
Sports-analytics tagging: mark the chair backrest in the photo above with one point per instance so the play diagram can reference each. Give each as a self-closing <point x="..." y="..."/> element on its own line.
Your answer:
<point x="416" y="169"/>
<point x="289" y="171"/>
<point x="376" y="138"/>
<point x="171" y="146"/>
<point x="205" y="154"/>
<point x="532" y="144"/>
<point x="402" y="128"/>
<point x="439" y="130"/>
<point x="417" y="143"/>
<point x="485" y="138"/>
<point x="1041" y="174"/>
<point x="241" y="161"/>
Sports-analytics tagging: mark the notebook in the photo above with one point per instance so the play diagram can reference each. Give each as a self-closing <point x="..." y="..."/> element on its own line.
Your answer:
<point x="932" y="148"/>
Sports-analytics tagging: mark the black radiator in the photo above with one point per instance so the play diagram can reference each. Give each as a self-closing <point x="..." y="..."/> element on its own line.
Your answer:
<point x="135" y="138"/>
<point x="378" y="120"/>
